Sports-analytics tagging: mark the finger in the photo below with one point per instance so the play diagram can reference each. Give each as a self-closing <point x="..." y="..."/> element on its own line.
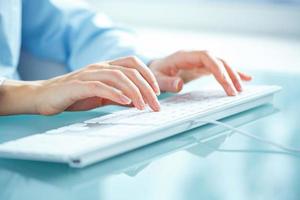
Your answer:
<point x="169" y="83"/>
<point x="218" y="70"/>
<point x="185" y="60"/>
<point x="86" y="104"/>
<point x="109" y="102"/>
<point x="235" y="78"/>
<point x="89" y="89"/>
<point x="133" y="62"/>
<point x="144" y="87"/>
<point x="244" y="76"/>
<point x="103" y="90"/>
<point x="119" y="80"/>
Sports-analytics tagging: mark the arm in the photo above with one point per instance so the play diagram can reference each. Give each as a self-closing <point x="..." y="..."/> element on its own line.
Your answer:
<point x="72" y="33"/>
<point x="17" y="97"/>
<point x="119" y="81"/>
<point x="80" y="39"/>
<point x="123" y="81"/>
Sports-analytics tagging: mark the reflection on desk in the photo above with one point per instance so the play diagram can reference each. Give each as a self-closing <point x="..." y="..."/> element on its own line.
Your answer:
<point x="204" y="163"/>
<point x="200" y="142"/>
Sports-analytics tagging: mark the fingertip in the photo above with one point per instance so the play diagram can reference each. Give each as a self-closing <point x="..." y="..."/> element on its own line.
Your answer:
<point x="156" y="108"/>
<point x="249" y="78"/>
<point x="178" y="85"/>
<point x="154" y="104"/>
<point x="230" y="90"/>
<point x="141" y="104"/>
<point x="156" y="89"/>
<point x="155" y="85"/>
<point x="233" y="92"/>
<point x="239" y="86"/>
<point x="245" y="77"/>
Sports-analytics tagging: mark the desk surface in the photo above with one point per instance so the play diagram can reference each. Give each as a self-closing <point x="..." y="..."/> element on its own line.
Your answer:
<point x="205" y="163"/>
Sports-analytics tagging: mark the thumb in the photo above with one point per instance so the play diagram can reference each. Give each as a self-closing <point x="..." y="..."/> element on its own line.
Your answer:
<point x="169" y="83"/>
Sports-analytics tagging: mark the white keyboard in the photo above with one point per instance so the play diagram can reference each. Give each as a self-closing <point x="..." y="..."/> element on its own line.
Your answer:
<point x="99" y="138"/>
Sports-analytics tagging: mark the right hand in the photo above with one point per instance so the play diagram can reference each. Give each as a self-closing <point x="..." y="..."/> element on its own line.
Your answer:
<point x="125" y="81"/>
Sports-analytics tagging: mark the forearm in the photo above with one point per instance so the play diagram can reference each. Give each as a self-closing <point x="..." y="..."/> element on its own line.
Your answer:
<point x="18" y="97"/>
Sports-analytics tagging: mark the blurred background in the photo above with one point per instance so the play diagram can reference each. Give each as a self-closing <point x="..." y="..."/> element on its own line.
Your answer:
<point x="248" y="33"/>
<point x="276" y="17"/>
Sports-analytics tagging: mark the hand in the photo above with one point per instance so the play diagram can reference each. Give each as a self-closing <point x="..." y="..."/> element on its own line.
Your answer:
<point x="123" y="81"/>
<point x="183" y="66"/>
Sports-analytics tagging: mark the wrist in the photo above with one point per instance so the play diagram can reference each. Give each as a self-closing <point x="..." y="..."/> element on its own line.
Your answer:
<point x="18" y="97"/>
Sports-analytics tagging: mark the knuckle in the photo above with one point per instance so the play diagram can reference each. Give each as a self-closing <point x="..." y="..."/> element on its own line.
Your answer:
<point x="116" y="73"/>
<point x="116" y="93"/>
<point x="222" y="61"/>
<point x="93" y="86"/>
<point x="96" y="66"/>
<point x="91" y="66"/>
<point x="180" y="52"/>
<point x="133" y="72"/>
<point x="83" y="74"/>
<point x="205" y="52"/>
<point x="75" y="83"/>
<point x="133" y="59"/>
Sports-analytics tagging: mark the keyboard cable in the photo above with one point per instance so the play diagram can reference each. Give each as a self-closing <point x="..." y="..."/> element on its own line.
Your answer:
<point x="249" y="135"/>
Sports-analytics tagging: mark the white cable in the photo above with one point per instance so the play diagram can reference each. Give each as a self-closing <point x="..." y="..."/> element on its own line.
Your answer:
<point x="244" y="133"/>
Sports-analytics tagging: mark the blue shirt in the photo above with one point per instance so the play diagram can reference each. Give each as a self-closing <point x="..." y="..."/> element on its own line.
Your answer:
<point x="68" y="32"/>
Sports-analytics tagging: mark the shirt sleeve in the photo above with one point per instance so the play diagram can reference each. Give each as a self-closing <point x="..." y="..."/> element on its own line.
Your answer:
<point x="72" y="33"/>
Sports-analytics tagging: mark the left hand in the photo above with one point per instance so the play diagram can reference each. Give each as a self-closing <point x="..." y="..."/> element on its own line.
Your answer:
<point x="176" y="69"/>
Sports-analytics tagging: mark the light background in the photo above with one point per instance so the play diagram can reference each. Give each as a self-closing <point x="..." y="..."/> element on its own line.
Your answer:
<point x="250" y="34"/>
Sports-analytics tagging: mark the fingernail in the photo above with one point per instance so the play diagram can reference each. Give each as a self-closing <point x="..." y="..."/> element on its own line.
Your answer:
<point x="141" y="105"/>
<point x="156" y="105"/>
<point x="177" y="84"/>
<point x="240" y="88"/>
<point x="125" y="99"/>
<point x="157" y="90"/>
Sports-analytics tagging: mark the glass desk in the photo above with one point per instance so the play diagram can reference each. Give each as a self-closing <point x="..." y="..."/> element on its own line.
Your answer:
<point x="204" y="163"/>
